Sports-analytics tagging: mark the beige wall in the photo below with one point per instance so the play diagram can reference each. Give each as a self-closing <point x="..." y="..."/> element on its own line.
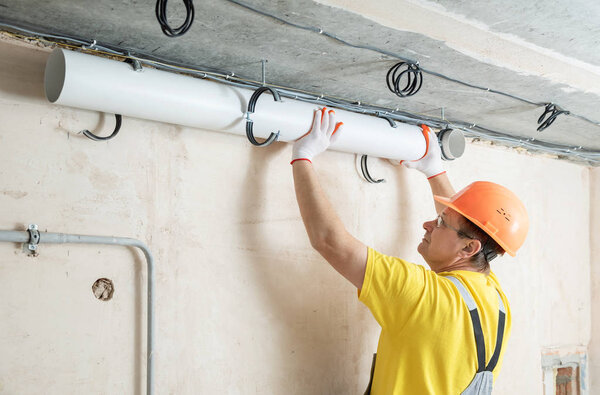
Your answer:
<point x="244" y="305"/>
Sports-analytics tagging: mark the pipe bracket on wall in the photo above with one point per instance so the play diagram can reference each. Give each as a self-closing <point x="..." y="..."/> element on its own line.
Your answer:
<point x="365" y="171"/>
<point x="92" y="136"/>
<point x="34" y="239"/>
<point x="250" y="123"/>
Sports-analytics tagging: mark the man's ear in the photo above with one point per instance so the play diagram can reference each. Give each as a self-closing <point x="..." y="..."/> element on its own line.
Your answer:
<point x="472" y="247"/>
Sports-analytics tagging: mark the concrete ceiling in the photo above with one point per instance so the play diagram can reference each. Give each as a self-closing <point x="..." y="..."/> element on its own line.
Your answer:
<point x="539" y="51"/>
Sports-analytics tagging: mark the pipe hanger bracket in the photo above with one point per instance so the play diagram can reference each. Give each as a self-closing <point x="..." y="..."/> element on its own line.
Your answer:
<point x="92" y="136"/>
<point x="365" y="172"/>
<point x="249" y="123"/>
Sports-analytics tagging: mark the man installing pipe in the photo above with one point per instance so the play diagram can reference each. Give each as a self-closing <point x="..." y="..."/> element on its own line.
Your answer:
<point x="442" y="330"/>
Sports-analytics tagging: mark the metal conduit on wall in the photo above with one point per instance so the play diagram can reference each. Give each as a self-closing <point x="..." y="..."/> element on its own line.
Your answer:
<point x="94" y="83"/>
<point x="33" y="238"/>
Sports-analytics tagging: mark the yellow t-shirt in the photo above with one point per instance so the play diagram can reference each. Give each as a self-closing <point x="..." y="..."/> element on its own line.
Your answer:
<point x="427" y="345"/>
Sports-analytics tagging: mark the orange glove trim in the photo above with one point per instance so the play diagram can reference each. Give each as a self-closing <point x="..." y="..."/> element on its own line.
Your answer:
<point x="337" y="126"/>
<point x="439" y="174"/>
<point x="425" y="130"/>
<point x="296" y="160"/>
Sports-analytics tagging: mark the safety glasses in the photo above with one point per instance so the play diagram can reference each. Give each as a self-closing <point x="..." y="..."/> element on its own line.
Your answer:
<point x="440" y="222"/>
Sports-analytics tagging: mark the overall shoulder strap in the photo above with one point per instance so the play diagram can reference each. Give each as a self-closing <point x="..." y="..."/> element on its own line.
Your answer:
<point x="499" y="336"/>
<point x="479" y="343"/>
<point x="472" y="306"/>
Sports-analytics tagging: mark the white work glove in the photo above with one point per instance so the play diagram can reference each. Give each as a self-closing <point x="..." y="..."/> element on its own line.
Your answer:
<point x="322" y="134"/>
<point x="431" y="163"/>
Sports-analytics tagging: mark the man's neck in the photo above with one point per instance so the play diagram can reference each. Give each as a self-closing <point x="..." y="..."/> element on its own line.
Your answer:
<point x="458" y="265"/>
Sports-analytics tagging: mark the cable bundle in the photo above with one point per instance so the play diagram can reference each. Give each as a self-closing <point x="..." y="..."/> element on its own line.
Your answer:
<point x="413" y="77"/>
<point x="161" y="15"/>
<point x="553" y="111"/>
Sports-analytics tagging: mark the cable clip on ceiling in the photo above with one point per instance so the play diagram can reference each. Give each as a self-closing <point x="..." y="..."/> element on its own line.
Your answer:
<point x="92" y="136"/>
<point x="249" y="122"/>
<point x="553" y="111"/>
<point x="390" y="120"/>
<point x="161" y="15"/>
<point x="91" y="47"/>
<point x="410" y="72"/>
<point x="136" y="65"/>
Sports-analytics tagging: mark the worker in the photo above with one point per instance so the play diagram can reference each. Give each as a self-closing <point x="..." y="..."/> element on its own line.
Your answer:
<point x="443" y="330"/>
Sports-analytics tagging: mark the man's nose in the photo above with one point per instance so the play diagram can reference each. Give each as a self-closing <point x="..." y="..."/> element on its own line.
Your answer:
<point x="429" y="225"/>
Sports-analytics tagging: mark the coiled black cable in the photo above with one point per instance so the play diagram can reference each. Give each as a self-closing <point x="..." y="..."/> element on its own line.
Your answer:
<point x="161" y="15"/>
<point x="411" y="73"/>
<point x="553" y="111"/>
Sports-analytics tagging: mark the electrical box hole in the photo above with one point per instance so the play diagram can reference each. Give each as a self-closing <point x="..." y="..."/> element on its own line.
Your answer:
<point x="103" y="289"/>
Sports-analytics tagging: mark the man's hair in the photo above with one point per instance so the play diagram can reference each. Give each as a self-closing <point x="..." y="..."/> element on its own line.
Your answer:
<point x="489" y="248"/>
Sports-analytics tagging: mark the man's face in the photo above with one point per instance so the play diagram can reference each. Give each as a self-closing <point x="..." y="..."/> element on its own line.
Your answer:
<point x="441" y="245"/>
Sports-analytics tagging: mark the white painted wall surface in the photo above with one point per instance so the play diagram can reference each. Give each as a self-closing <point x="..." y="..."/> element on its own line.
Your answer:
<point x="244" y="305"/>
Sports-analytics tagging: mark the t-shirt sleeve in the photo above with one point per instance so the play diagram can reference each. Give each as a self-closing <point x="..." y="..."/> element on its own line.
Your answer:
<point x="392" y="288"/>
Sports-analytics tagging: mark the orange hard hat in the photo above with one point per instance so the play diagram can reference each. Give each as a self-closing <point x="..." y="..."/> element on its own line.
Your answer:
<point x="494" y="209"/>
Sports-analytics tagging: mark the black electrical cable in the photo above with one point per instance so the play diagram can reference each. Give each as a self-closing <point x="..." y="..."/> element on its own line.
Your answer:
<point x="92" y="136"/>
<point x="365" y="171"/>
<point x="553" y="111"/>
<point x="161" y="15"/>
<point x="411" y="74"/>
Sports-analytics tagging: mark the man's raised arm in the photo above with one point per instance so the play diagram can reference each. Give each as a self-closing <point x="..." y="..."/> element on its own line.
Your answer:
<point x="325" y="230"/>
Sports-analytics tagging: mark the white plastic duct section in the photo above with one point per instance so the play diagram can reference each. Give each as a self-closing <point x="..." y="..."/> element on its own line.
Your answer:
<point x="95" y="83"/>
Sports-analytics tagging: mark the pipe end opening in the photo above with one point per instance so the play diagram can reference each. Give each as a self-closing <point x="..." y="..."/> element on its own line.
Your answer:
<point x="452" y="143"/>
<point x="54" y="75"/>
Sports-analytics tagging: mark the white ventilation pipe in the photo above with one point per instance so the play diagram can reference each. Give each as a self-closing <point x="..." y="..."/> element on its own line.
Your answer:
<point x="94" y="83"/>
